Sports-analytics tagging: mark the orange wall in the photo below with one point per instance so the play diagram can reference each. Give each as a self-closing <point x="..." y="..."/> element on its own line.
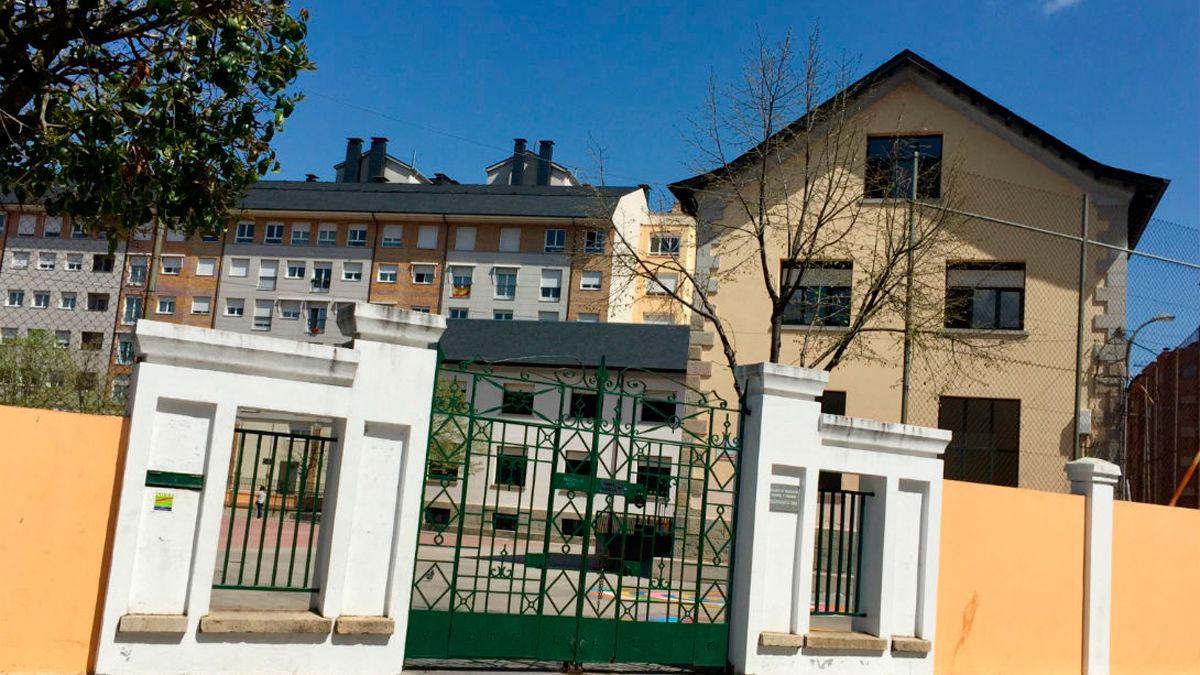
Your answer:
<point x="1010" y="588"/>
<point x="1156" y="589"/>
<point x="57" y="476"/>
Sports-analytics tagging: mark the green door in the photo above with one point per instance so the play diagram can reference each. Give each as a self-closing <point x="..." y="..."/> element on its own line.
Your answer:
<point x="575" y="515"/>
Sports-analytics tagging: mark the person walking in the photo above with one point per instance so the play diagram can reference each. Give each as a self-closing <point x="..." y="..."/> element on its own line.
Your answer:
<point x="260" y="501"/>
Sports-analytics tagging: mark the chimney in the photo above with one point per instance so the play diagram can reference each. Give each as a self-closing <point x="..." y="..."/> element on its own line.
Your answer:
<point x="310" y="178"/>
<point x="517" y="175"/>
<point x="353" y="157"/>
<point x="375" y="160"/>
<point x="545" y="154"/>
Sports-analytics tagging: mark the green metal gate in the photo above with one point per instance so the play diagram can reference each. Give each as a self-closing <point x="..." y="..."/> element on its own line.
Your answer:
<point x="575" y="514"/>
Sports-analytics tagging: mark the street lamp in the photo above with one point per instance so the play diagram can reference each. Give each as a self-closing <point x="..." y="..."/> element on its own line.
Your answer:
<point x="1125" y="396"/>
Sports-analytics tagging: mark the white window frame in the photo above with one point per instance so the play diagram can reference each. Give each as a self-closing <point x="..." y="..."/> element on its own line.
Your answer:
<point x="432" y="273"/>
<point x="15" y="294"/>
<point x="502" y="315"/>
<point x="555" y="286"/>
<point x="658" y="285"/>
<point x="133" y="302"/>
<point x="57" y="229"/>
<point x="349" y="273"/>
<point x="583" y="280"/>
<point x="285" y="312"/>
<point x="173" y="270"/>
<point x="47" y="261"/>
<point x="58" y="338"/>
<point x="74" y="262"/>
<point x="202" y="308"/>
<point x="267" y="238"/>
<point x="263" y="311"/>
<point x="268" y="274"/>
<point x="41" y="300"/>
<point x="19" y="260"/>
<point x="594" y="241"/>
<point x="165" y="300"/>
<point x="68" y="306"/>
<point x="325" y="229"/>
<point x="559" y="234"/>
<point x="235" y="307"/>
<point x="239" y="267"/>
<point x="353" y="237"/>
<point x="293" y="265"/>
<point x="465" y="312"/>
<point x="656" y="245"/>
<point x="456" y="275"/>
<point x="301" y="228"/>
<point x="203" y="264"/>
<point x="388" y="273"/>
<point x="496" y="273"/>
<point x="244" y="233"/>
<point x="393" y="236"/>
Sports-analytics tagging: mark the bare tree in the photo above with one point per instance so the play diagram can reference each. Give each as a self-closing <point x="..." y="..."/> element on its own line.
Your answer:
<point x="803" y="207"/>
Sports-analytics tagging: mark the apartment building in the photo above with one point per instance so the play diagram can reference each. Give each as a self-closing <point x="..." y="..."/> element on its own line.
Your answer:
<point x="1163" y="426"/>
<point x="667" y="247"/>
<point x="1011" y="407"/>
<point x="59" y="278"/>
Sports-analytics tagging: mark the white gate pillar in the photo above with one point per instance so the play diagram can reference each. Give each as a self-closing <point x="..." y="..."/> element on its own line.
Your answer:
<point x="1095" y="479"/>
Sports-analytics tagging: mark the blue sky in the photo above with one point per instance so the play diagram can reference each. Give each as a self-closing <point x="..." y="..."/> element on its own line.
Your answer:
<point x="454" y="83"/>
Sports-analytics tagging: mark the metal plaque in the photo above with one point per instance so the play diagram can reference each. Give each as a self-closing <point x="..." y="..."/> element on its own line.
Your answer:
<point x="785" y="498"/>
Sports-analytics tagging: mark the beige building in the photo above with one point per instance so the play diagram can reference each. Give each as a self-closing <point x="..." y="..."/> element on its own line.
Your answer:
<point x="1011" y="292"/>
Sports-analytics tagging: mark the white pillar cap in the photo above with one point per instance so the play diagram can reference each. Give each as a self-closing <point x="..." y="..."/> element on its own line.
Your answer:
<point x="391" y="325"/>
<point x="1093" y="471"/>
<point x="785" y="381"/>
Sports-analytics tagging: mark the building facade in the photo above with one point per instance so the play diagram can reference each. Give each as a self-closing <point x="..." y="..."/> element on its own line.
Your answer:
<point x="1011" y="405"/>
<point x="1161" y="425"/>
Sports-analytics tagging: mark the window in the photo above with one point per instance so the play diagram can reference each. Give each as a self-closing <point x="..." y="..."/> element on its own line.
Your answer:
<point x="662" y="284"/>
<point x="889" y="167"/>
<point x="422" y="274"/>
<point x="202" y="305"/>
<point x="262" y="314"/>
<point x="556" y="241"/>
<point x="427" y="236"/>
<point x="102" y="263"/>
<point x="7" y="334"/>
<point x="387" y="273"/>
<point x="357" y="236"/>
<point x="985" y="446"/>
<point x="296" y="269"/>
<point x="437" y="517"/>
<point x="175" y="235"/>
<point x="316" y="319"/>
<point x="458" y="312"/>
<point x="245" y="233"/>
<point x="132" y="311"/>
<point x="833" y="402"/>
<point x="66" y="301"/>
<point x="551" y="289"/>
<point x="583" y="405"/>
<point x="46" y="261"/>
<point x="517" y="401"/>
<point x="547" y="316"/>
<point x="20" y="260"/>
<point x="62" y="338"/>
<point x="90" y="341"/>
<point x="301" y="233"/>
<point x="327" y="234"/>
<point x="274" y="234"/>
<point x="125" y="351"/>
<point x="74" y="262"/>
<point x="461" y="278"/>
<point x="206" y="267"/>
<point x="268" y="272"/>
<point x="52" y="227"/>
<point x="504" y="521"/>
<point x="511" y="467"/>
<point x="351" y="271"/>
<point x="506" y="282"/>
<point x="143" y="232"/>
<point x="658" y="408"/>
<point x="510" y="239"/>
<point x="393" y="236"/>
<point x="664" y="244"/>
<point x="593" y="241"/>
<point x="41" y="299"/>
<point x="985" y="296"/>
<point x="120" y="388"/>
<point x="590" y="281"/>
<point x="137" y="270"/>
<point x="27" y="225"/>
<point x="289" y="310"/>
<point x="571" y="527"/>
<point x="3" y="221"/>
<point x="578" y="463"/>
<point x="658" y="319"/>
<point x="822" y="296"/>
<point x="588" y="317"/>
<point x="78" y="233"/>
<point x="502" y="315"/>
<point x="172" y="265"/>
<point x="239" y="267"/>
<point x="166" y="305"/>
<point x="15" y="298"/>
<point x="464" y="238"/>
<point x="322" y="275"/>
<point x="655" y="476"/>
<point x="420" y="309"/>
<point x="235" y="307"/>
<point x="97" y="302"/>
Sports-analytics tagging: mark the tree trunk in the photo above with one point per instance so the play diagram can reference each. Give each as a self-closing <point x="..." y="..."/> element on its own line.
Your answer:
<point x="776" y="336"/>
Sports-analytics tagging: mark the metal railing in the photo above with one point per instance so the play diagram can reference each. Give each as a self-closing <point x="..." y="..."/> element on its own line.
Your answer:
<point x="272" y="513"/>
<point x="837" y="560"/>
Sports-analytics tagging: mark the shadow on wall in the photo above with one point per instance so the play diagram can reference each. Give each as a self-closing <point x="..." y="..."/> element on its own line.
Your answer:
<point x="59" y="474"/>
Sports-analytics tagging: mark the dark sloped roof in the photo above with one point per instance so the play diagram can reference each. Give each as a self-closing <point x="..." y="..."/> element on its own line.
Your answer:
<point x="567" y="343"/>
<point x="475" y="200"/>
<point x="1148" y="190"/>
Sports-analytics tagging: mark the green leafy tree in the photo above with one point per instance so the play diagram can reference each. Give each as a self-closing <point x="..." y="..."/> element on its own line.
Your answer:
<point x="113" y="110"/>
<point x="36" y="373"/>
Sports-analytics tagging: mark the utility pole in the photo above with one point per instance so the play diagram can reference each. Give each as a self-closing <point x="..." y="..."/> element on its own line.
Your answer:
<point x="908" y="289"/>
<point x="152" y="266"/>
<point x="1076" y="445"/>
